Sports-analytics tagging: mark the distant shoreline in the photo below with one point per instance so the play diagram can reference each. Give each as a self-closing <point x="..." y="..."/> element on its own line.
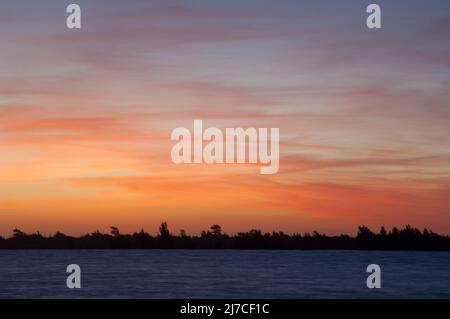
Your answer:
<point x="406" y="239"/>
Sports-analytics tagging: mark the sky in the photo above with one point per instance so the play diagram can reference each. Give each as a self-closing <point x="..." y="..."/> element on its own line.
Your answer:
<point x="86" y="115"/>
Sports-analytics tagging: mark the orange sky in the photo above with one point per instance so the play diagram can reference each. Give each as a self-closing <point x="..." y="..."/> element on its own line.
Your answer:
<point x="86" y="118"/>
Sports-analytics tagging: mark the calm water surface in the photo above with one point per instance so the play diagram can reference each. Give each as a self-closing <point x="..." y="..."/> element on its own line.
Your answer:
<point x="224" y="274"/>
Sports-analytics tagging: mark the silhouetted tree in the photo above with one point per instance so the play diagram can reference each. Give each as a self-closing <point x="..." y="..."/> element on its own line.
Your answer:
<point x="114" y="231"/>
<point x="408" y="238"/>
<point x="165" y="238"/>
<point x="216" y="230"/>
<point x="18" y="233"/>
<point x="164" y="230"/>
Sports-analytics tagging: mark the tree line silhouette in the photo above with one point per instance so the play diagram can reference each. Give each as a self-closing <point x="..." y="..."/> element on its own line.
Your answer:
<point x="408" y="238"/>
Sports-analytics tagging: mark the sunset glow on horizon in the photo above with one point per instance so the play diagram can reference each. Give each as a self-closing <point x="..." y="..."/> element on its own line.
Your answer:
<point x="86" y="115"/>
